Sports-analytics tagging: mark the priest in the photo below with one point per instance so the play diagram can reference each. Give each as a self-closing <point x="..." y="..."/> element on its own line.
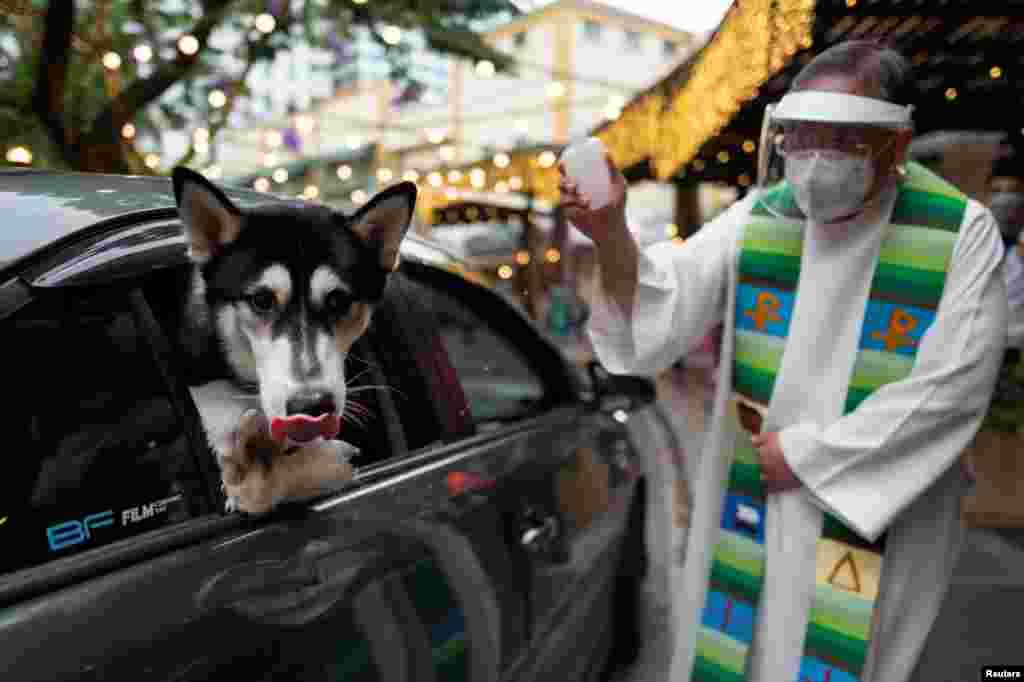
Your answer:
<point x="864" y="321"/>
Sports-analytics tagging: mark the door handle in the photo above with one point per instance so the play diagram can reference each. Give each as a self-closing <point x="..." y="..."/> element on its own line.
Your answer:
<point x="540" y="534"/>
<point x="255" y="580"/>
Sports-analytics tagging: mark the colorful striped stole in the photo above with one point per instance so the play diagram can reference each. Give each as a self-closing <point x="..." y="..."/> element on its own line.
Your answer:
<point x="905" y="293"/>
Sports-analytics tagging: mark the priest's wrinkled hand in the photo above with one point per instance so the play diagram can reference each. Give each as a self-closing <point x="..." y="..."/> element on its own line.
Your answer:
<point x="776" y="476"/>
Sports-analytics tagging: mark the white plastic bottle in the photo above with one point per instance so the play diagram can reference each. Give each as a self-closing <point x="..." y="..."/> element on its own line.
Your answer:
<point x="585" y="163"/>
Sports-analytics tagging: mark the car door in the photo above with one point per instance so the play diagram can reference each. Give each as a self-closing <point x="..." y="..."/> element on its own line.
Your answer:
<point x="120" y="563"/>
<point x="567" y="472"/>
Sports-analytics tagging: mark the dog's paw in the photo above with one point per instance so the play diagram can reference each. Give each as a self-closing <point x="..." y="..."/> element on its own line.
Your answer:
<point x="258" y="473"/>
<point x="246" y="467"/>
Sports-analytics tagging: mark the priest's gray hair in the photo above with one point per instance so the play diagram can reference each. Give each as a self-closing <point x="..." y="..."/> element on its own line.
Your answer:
<point x="880" y="67"/>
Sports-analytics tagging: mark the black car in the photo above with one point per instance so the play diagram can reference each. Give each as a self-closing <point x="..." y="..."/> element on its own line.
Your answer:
<point x="494" y="530"/>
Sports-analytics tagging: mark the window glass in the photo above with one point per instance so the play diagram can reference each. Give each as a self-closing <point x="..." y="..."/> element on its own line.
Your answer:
<point x="97" y="450"/>
<point x="498" y="383"/>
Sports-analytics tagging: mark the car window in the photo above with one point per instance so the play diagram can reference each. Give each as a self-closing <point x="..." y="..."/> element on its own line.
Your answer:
<point x="496" y="379"/>
<point x="96" y="450"/>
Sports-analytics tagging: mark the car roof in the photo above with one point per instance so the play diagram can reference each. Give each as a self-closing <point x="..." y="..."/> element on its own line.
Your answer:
<point x="47" y="209"/>
<point x="41" y="207"/>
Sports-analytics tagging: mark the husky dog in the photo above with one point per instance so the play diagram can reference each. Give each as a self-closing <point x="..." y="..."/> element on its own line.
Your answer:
<point x="280" y="294"/>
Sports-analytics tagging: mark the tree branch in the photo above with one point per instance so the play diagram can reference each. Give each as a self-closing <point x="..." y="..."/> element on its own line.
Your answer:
<point x="232" y="96"/>
<point x="104" y="136"/>
<point x="48" y="99"/>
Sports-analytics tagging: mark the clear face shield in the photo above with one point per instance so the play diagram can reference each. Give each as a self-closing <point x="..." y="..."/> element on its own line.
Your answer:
<point x="819" y="151"/>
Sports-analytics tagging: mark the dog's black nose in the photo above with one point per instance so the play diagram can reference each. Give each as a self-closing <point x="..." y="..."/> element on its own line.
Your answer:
<point x="313" y="404"/>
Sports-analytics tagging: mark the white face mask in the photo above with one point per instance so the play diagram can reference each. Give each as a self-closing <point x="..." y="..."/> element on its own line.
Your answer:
<point x="829" y="185"/>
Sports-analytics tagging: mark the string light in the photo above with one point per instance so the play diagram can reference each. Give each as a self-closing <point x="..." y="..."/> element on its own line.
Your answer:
<point x="485" y="68"/>
<point x="281" y="175"/>
<point x="454" y="176"/>
<point x="451" y="194"/>
<point x="151" y="161"/>
<point x="188" y="44"/>
<point x="995" y="72"/>
<point x="546" y="159"/>
<point x="951" y="94"/>
<point x="344" y="172"/>
<point x="311" y="192"/>
<point x="671" y="230"/>
<point x="411" y="176"/>
<point x="556" y="89"/>
<point x="142" y="53"/>
<point x="523" y="257"/>
<point x="662" y="128"/>
<point x="265" y="23"/>
<point x="502" y="160"/>
<point x="358" y="197"/>
<point x="19" y="154"/>
<point x="217" y="99"/>
<point x="435" y="179"/>
<point x="392" y="35"/>
<point x="749" y="146"/>
<point x="505" y="272"/>
<point x="515" y="183"/>
<point x="261" y="185"/>
<point x="112" y="61"/>
<point x="385" y="175"/>
<point x="552" y="255"/>
<point x="447" y="153"/>
<point x="128" y="131"/>
<point x="478" y="178"/>
<point x="723" y="156"/>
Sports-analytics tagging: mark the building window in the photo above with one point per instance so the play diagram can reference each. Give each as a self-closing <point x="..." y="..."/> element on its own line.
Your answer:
<point x="592" y="31"/>
<point x="633" y="41"/>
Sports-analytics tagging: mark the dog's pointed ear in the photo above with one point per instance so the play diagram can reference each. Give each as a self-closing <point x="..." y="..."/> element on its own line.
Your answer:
<point x="211" y="220"/>
<point x="383" y="222"/>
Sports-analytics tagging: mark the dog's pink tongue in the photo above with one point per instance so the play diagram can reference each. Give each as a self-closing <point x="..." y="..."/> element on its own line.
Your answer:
<point x="302" y="428"/>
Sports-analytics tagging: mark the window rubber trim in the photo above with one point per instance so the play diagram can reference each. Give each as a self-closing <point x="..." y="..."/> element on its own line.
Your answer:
<point x="185" y="409"/>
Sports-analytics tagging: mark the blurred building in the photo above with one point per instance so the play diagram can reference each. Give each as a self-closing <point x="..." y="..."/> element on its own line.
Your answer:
<point x="332" y="125"/>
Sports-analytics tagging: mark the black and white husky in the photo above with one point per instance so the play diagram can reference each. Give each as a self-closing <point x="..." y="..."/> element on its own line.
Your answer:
<point x="280" y="294"/>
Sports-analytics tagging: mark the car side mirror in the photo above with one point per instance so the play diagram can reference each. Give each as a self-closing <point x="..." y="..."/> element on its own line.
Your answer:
<point x="613" y="392"/>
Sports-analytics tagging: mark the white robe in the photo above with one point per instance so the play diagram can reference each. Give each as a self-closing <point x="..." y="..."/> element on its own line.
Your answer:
<point x="1014" y="271"/>
<point x="891" y="464"/>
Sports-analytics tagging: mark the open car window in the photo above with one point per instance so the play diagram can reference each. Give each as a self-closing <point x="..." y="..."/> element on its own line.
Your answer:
<point x="496" y="378"/>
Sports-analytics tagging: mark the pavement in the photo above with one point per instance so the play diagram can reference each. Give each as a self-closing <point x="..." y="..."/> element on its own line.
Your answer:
<point x="977" y="626"/>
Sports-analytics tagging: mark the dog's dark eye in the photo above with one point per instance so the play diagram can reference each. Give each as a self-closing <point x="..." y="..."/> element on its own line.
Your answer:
<point x="337" y="303"/>
<point x="261" y="300"/>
